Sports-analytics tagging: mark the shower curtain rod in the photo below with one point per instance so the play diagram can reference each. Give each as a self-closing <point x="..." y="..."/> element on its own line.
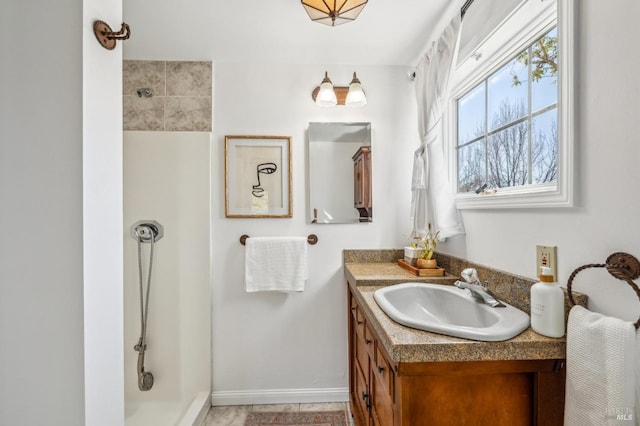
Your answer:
<point x="464" y="8"/>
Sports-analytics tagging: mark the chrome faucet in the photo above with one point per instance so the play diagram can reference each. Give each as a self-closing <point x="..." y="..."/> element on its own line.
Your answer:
<point x="479" y="291"/>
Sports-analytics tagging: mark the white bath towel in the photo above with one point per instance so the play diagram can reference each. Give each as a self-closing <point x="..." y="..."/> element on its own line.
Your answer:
<point x="276" y="264"/>
<point x="601" y="363"/>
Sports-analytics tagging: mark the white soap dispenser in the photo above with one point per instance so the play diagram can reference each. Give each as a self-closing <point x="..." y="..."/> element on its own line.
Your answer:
<point x="547" y="305"/>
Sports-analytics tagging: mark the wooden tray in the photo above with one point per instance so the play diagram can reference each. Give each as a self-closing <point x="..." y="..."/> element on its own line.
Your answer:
<point x="435" y="272"/>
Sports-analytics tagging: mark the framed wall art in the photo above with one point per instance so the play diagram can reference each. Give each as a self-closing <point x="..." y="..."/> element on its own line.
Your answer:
<point x="257" y="176"/>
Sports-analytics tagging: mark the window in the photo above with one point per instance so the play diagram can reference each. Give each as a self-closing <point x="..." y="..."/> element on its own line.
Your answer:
<point x="507" y="133"/>
<point x="510" y="117"/>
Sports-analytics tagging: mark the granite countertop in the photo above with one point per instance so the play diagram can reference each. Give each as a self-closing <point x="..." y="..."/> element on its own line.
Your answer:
<point x="405" y="344"/>
<point x="388" y="273"/>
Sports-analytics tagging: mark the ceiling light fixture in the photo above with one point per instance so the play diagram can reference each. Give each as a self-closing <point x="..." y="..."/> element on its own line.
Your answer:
<point x="329" y="95"/>
<point x="333" y="12"/>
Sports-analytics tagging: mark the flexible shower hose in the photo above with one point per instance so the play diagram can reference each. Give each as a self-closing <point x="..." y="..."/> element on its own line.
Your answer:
<point x="145" y="379"/>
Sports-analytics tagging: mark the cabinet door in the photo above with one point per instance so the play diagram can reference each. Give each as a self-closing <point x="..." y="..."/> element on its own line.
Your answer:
<point x="369" y="342"/>
<point x="362" y="395"/>
<point x="382" y="370"/>
<point x="362" y="358"/>
<point x="357" y="182"/>
<point x="381" y="410"/>
<point x="366" y="180"/>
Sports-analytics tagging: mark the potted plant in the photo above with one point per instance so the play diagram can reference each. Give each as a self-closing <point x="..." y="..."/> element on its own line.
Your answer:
<point x="427" y="248"/>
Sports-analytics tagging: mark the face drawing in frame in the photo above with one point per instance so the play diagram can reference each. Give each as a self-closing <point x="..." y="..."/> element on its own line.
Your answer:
<point x="258" y="176"/>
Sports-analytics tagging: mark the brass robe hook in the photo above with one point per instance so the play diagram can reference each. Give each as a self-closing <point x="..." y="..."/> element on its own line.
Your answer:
<point x="105" y="35"/>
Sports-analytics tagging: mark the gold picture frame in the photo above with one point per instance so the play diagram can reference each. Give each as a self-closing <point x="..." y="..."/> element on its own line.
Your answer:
<point x="257" y="176"/>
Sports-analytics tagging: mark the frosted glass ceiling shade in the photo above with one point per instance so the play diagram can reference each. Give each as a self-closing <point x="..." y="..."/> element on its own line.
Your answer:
<point x="356" y="96"/>
<point x="326" y="95"/>
<point x="333" y="12"/>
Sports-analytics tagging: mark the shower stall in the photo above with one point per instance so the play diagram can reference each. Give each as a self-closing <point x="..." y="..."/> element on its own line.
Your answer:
<point x="167" y="318"/>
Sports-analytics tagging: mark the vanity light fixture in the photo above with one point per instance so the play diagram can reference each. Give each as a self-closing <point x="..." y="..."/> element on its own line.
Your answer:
<point x="333" y="12"/>
<point x="324" y="95"/>
<point x="355" y="96"/>
<point x="328" y="95"/>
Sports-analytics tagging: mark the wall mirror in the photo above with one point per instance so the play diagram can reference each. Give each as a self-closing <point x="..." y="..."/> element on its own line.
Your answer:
<point x="339" y="173"/>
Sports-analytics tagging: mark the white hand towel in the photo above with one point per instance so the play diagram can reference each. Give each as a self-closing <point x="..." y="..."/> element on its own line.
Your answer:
<point x="276" y="264"/>
<point x="601" y="364"/>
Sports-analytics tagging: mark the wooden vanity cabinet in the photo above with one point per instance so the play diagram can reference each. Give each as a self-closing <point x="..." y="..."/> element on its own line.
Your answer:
<point x="370" y="378"/>
<point x="383" y="393"/>
<point x="362" y="183"/>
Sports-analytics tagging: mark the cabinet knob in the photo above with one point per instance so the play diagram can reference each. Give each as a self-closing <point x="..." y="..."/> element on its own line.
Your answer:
<point x="359" y="322"/>
<point x="380" y="369"/>
<point x="367" y="341"/>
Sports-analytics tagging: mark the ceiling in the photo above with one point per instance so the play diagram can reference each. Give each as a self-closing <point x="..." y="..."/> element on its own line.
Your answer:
<point x="387" y="32"/>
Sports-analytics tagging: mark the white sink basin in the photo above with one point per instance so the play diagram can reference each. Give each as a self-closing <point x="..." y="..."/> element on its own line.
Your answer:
<point x="449" y="310"/>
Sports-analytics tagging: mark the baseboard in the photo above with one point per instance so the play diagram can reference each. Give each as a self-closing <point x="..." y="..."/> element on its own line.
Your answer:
<point x="279" y="396"/>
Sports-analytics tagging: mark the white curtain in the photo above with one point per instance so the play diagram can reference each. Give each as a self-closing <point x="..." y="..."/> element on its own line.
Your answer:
<point x="432" y="198"/>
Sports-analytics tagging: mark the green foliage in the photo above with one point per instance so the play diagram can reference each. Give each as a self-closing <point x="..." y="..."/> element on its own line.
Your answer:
<point x="427" y="244"/>
<point x="544" y="59"/>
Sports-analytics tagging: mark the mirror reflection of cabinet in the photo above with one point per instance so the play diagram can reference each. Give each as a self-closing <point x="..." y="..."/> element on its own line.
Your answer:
<point x="334" y="196"/>
<point x="362" y="183"/>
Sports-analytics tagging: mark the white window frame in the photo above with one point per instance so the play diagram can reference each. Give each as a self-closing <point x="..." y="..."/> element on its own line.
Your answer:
<point x="554" y="194"/>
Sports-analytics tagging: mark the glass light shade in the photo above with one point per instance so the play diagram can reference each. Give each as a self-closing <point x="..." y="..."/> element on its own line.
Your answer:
<point x="326" y="95"/>
<point x="356" y="96"/>
<point x="333" y="12"/>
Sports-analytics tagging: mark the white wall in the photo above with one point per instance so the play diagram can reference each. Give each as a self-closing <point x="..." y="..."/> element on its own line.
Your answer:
<point x="102" y="217"/>
<point x="605" y="217"/>
<point x="166" y="178"/>
<point x="267" y="344"/>
<point x="48" y="121"/>
<point x="41" y="349"/>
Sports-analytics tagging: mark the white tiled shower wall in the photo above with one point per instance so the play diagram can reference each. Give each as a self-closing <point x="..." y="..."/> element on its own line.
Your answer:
<point x="166" y="151"/>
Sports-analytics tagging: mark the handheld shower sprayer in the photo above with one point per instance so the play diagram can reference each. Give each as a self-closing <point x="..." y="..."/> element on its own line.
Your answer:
<point x="145" y="378"/>
<point x="145" y="232"/>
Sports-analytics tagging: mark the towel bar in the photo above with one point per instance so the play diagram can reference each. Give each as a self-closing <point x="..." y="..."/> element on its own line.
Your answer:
<point x="311" y="239"/>
<point x="622" y="266"/>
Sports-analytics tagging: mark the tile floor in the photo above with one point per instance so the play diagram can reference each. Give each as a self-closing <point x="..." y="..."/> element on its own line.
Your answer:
<point x="235" y="415"/>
